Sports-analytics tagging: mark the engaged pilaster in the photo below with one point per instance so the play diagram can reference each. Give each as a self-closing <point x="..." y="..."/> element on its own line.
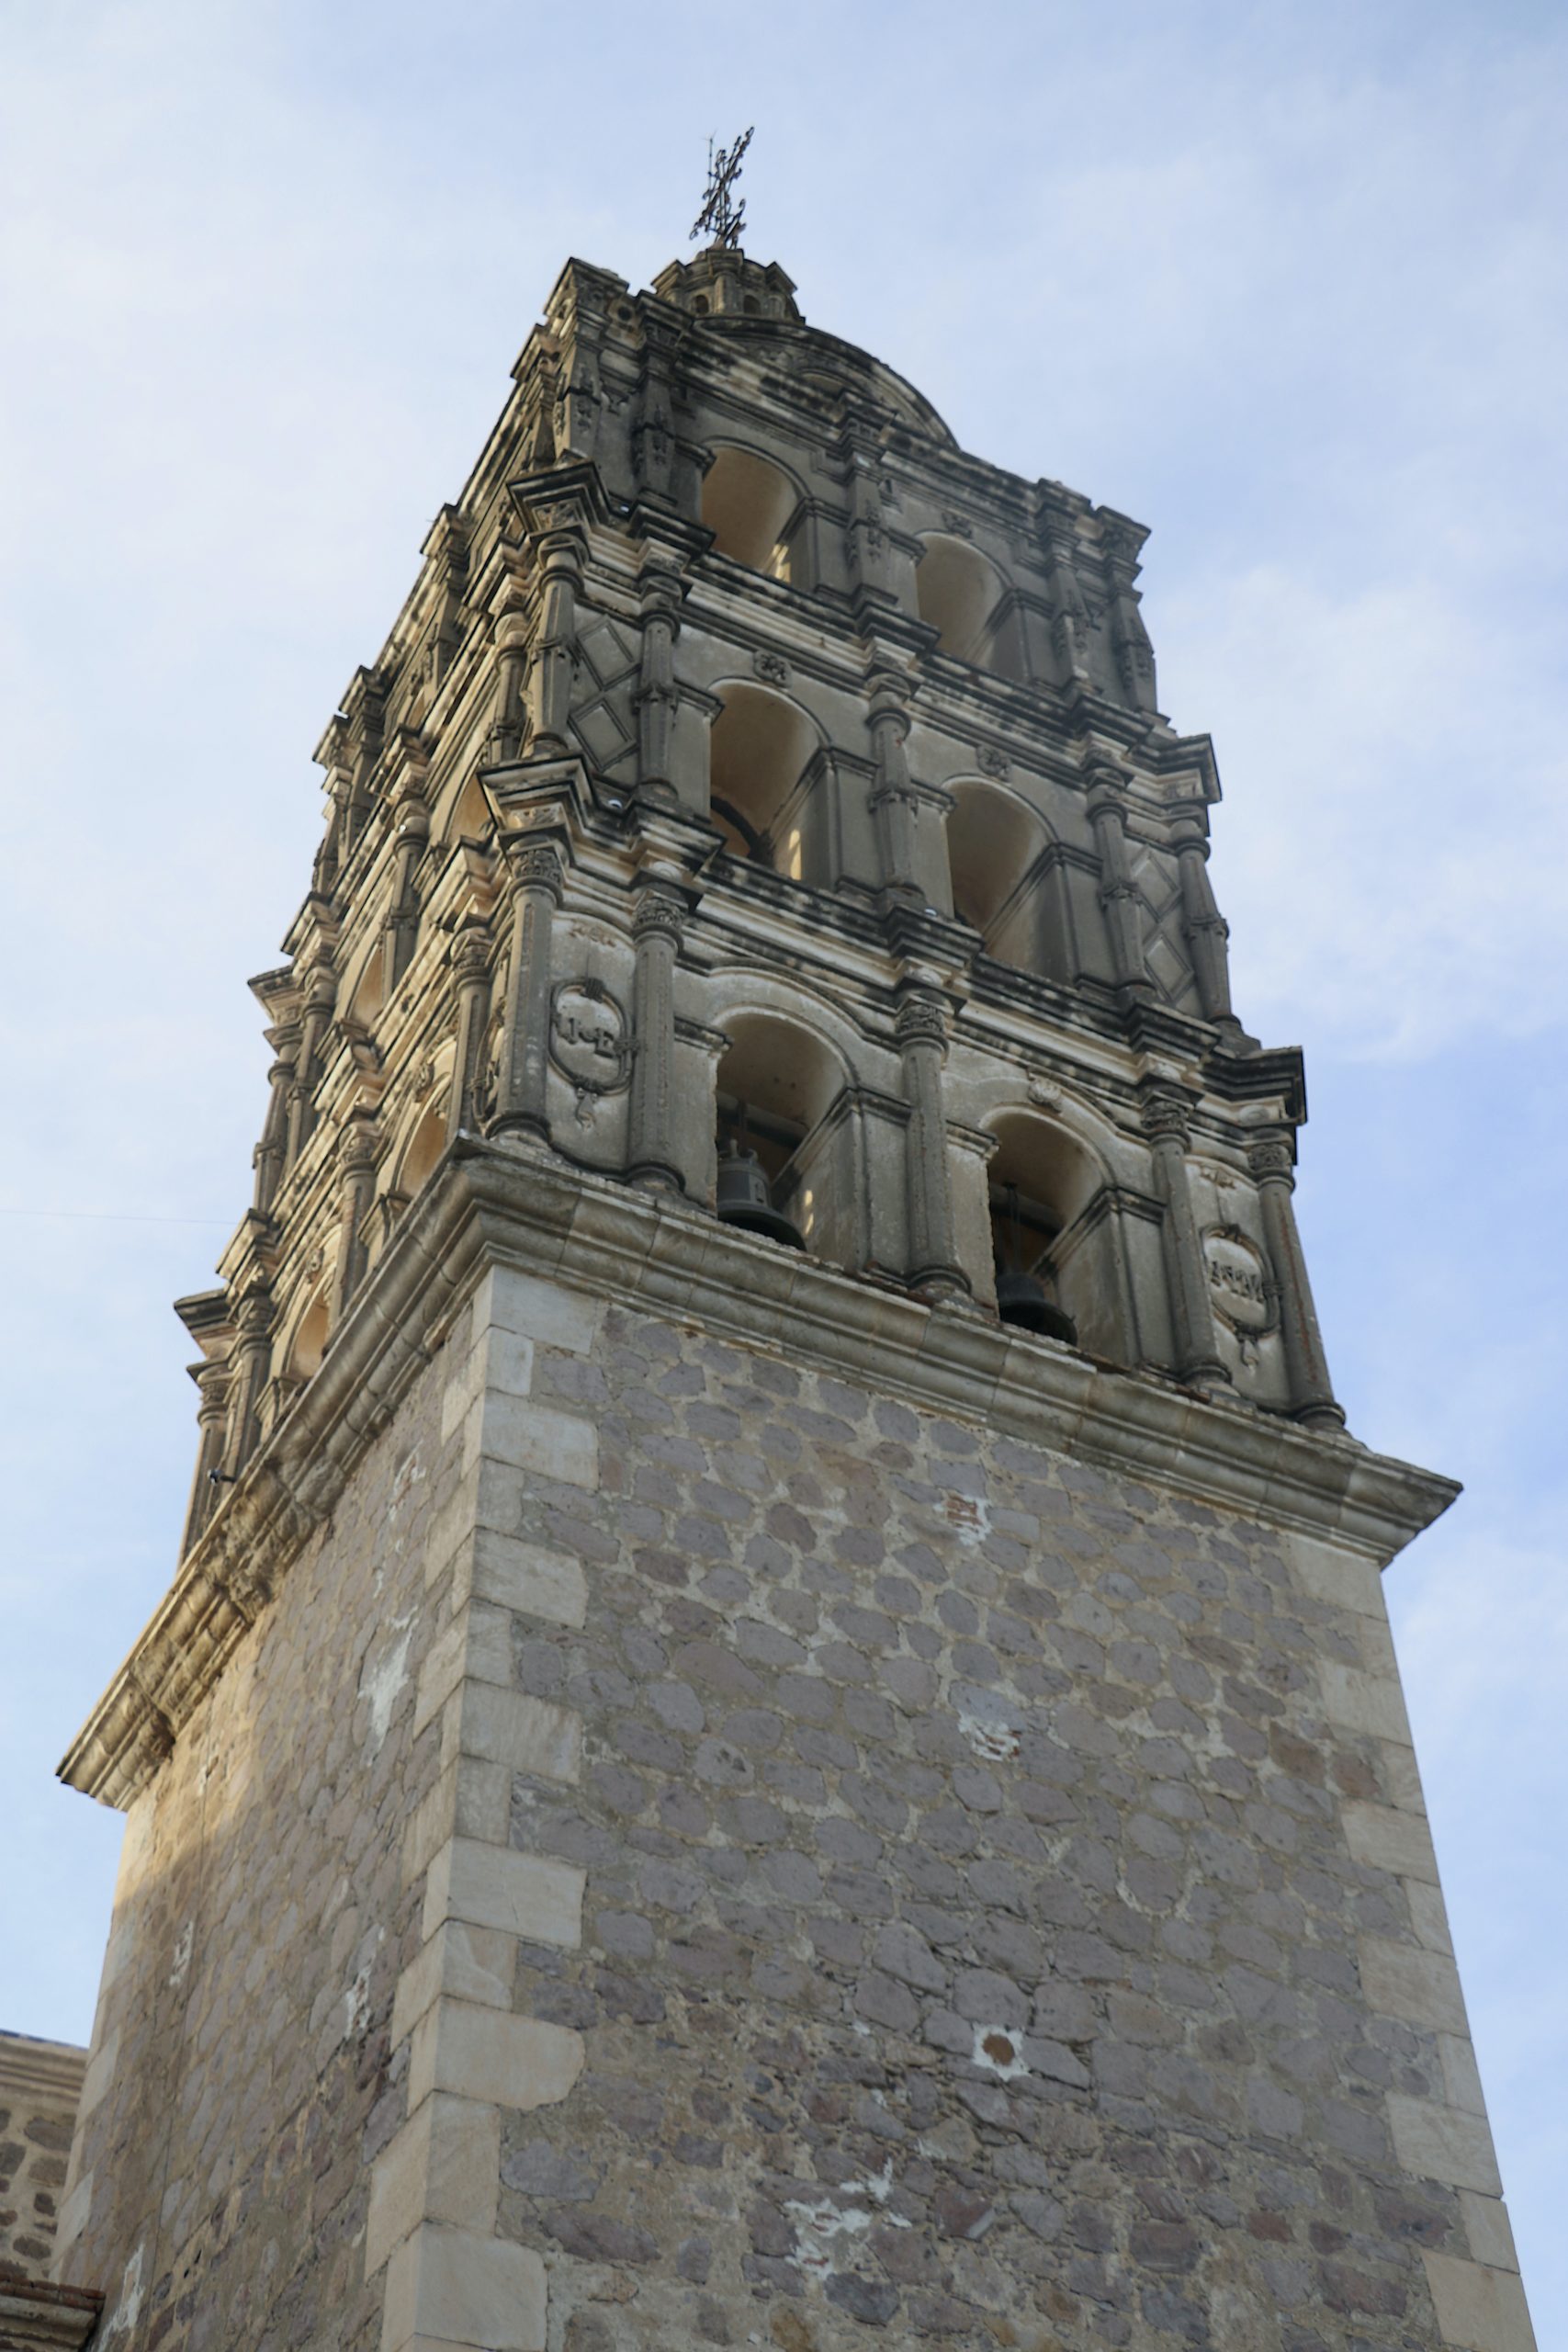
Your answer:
<point x="656" y="932"/>
<point x="470" y="967"/>
<point x="1207" y="930"/>
<point x="1198" y="1357"/>
<point x="657" y="693"/>
<point x="894" y="800"/>
<point x="922" y="1043"/>
<point x="537" y="887"/>
<point x="1272" y="1162"/>
<point x="1117" y="891"/>
<point x="358" y="1193"/>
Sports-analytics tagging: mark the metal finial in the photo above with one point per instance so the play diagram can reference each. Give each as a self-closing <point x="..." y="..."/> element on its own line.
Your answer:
<point x="722" y="217"/>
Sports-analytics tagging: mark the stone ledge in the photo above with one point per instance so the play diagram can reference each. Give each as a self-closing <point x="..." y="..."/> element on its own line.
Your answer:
<point x="38" y="2318"/>
<point x="494" y="1205"/>
<point x="50" y="2072"/>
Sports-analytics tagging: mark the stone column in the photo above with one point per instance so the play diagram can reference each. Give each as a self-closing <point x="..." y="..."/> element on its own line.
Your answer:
<point x="1117" y="893"/>
<point x="1207" y="931"/>
<point x="525" y="1053"/>
<point x="657" y="693"/>
<point x="253" y="1369"/>
<point x="922" y="1042"/>
<point x="894" y="800"/>
<point x="319" y="997"/>
<point x="1071" y="627"/>
<point x="1135" y="654"/>
<point x="211" y="1420"/>
<point x="1198" y="1357"/>
<point x="1271" y="1160"/>
<point x="358" y="1164"/>
<point x="656" y="928"/>
<point x="560" y="568"/>
<point x="470" y="965"/>
<point x="272" y="1152"/>
<point x="402" y="922"/>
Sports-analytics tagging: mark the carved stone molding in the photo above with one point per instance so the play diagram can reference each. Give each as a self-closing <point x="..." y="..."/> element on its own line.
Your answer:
<point x="489" y="1204"/>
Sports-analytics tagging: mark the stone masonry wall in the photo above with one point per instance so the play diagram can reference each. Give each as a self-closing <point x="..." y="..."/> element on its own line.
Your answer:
<point x="699" y="1853"/>
<point x="39" y="2084"/>
<point x="239" y="2084"/>
<point x="915" y="1888"/>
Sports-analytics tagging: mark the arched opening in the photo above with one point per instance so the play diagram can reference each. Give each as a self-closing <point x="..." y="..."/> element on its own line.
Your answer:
<point x="749" y="504"/>
<point x="1041" y="1182"/>
<point x="473" y="819"/>
<point x="425" y="1147"/>
<point x="370" y="992"/>
<point x="782" y="1137"/>
<point x="959" y="592"/>
<point x="759" y="747"/>
<point x="308" y="1344"/>
<point x="993" y="843"/>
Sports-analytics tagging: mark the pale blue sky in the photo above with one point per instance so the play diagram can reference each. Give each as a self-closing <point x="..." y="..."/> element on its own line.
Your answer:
<point x="1285" y="282"/>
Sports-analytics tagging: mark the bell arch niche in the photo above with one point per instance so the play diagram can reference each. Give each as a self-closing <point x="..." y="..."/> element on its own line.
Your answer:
<point x="1005" y="880"/>
<point x="767" y="775"/>
<point x="308" y="1342"/>
<point x="786" y="1137"/>
<point x="1054" y="1227"/>
<point x="750" y="505"/>
<point x="411" y="1166"/>
<point x="961" y="595"/>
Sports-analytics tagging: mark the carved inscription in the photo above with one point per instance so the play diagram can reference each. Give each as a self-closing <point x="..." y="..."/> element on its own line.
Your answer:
<point x="589" y="1043"/>
<point x="1244" y="1296"/>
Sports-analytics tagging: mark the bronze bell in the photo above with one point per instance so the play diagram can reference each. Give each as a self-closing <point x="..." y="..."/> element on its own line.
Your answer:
<point x="1020" y="1299"/>
<point x="743" y="1198"/>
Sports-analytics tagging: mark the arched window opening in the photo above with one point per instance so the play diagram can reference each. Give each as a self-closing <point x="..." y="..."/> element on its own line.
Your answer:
<point x="309" y="1341"/>
<point x="749" y="504"/>
<point x="760" y="748"/>
<point x="370" y="994"/>
<point x="959" y="592"/>
<point x="993" y="845"/>
<point x="782" y="1151"/>
<point x="1042" y="1181"/>
<point x="425" y="1147"/>
<point x="473" y="819"/>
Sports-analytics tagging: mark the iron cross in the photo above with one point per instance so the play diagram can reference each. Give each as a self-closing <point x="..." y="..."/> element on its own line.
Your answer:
<point x="720" y="214"/>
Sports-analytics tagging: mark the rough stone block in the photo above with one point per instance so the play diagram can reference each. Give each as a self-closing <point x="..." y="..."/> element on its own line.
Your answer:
<point x="1429" y="1916"/>
<point x="100" y="2075"/>
<point x="543" y="1311"/>
<point x="1479" y="2309"/>
<point x="490" y="1886"/>
<point x="1489" y="2229"/>
<point x="1385" y="1839"/>
<point x="1462" y="2076"/>
<point x="524" y="1576"/>
<point x="1344" y="1579"/>
<point x="1364" y="1703"/>
<point x="525" y="1735"/>
<point x="1420" y="1988"/>
<point x="491" y="2055"/>
<point x="540" y="1438"/>
<point x="474" y="1963"/>
<point x="1437" y="2143"/>
<point x="462" y="2288"/>
<point x="443" y="2166"/>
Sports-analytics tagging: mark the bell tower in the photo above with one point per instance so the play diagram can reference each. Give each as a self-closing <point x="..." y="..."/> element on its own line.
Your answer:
<point x="775" y="1724"/>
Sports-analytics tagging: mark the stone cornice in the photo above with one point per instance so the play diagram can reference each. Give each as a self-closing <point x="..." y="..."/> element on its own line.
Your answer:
<point x="34" y="2316"/>
<point x="50" y="2072"/>
<point x="490" y="1204"/>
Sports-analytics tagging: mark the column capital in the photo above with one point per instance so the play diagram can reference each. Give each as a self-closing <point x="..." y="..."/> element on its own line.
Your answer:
<point x="535" y="865"/>
<point x="471" y="954"/>
<point x="658" y="910"/>
<point x="1272" y="1158"/>
<point x="1166" y="1111"/>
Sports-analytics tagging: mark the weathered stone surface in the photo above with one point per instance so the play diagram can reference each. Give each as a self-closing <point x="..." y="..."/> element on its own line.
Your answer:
<point x="40" y="2085"/>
